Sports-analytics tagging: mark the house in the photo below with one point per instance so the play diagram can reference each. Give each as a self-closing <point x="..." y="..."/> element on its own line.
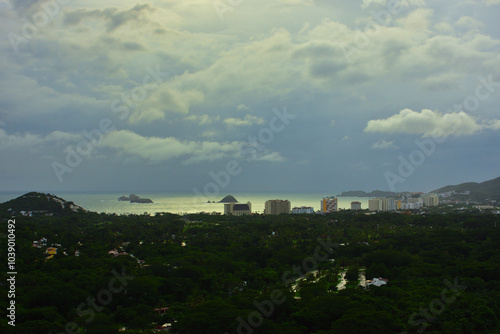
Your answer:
<point x="51" y="251"/>
<point x="163" y="328"/>
<point x="377" y="281"/>
<point x="161" y="310"/>
<point x="113" y="252"/>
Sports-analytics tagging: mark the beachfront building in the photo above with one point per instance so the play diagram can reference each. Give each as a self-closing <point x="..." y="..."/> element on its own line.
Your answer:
<point x="276" y="207"/>
<point x="241" y="209"/>
<point x="375" y="204"/>
<point x="430" y="199"/>
<point x="329" y="204"/>
<point x="356" y="205"/>
<point x="382" y="204"/>
<point x="388" y="204"/>
<point x="302" y="209"/>
<point x="232" y="207"/>
<point x="412" y="204"/>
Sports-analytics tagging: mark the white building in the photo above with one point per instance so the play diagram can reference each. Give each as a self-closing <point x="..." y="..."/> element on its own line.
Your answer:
<point x="302" y="209"/>
<point x="377" y="281"/>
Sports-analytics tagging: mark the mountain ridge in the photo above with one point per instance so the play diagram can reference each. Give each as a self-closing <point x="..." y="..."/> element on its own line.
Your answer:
<point x="489" y="189"/>
<point x="479" y="191"/>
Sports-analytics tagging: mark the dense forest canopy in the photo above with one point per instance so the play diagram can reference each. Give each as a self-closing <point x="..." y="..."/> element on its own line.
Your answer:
<point x="255" y="274"/>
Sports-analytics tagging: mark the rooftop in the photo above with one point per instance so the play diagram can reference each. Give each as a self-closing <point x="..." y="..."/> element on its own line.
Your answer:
<point x="241" y="207"/>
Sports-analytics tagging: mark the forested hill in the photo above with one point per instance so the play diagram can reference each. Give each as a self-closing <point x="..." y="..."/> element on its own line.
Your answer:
<point x="473" y="190"/>
<point x="39" y="203"/>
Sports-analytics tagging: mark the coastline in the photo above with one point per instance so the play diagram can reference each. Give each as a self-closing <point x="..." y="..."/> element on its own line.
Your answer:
<point x="179" y="203"/>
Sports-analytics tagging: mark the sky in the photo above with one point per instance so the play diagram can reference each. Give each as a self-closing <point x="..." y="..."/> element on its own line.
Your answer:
<point x="213" y="97"/>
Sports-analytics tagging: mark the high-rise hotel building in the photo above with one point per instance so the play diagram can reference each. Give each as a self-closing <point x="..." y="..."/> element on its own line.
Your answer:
<point x="277" y="206"/>
<point x="329" y="204"/>
<point x="430" y="199"/>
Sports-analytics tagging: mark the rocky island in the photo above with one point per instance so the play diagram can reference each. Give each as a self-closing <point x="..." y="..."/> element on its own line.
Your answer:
<point x="133" y="198"/>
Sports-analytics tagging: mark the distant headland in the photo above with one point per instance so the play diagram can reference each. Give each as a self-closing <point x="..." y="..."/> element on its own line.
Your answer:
<point x="375" y="193"/>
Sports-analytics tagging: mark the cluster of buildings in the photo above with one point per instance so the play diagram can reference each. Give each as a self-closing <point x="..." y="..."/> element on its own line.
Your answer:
<point x="391" y="204"/>
<point x="329" y="205"/>
<point x="232" y="207"/>
<point x="29" y="213"/>
<point x="40" y="243"/>
<point x="52" y="249"/>
<point x="277" y="206"/>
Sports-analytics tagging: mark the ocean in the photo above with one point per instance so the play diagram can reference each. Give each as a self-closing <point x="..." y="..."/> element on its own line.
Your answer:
<point x="187" y="203"/>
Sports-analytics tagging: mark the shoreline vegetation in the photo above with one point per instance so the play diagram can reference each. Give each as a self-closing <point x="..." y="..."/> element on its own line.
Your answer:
<point x="344" y="272"/>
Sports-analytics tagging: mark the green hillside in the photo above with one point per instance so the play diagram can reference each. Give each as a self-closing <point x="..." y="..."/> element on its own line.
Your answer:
<point x="39" y="203"/>
<point x="478" y="191"/>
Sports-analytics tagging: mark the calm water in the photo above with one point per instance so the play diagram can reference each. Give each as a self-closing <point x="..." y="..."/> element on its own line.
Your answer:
<point x="186" y="203"/>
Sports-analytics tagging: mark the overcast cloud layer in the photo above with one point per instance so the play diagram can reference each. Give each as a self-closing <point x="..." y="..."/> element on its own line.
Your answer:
<point x="304" y="95"/>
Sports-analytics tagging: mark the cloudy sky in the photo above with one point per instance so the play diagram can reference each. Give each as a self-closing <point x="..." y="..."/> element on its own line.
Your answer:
<point x="274" y="95"/>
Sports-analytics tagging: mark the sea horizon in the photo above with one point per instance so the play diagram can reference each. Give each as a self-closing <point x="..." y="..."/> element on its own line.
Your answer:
<point x="185" y="202"/>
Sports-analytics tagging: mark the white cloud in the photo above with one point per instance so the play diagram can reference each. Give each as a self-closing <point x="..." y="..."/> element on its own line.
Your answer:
<point x="493" y="125"/>
<point x="146" y="115"/>
<point x="469" y="23"/>
<point x="492" y="2"/>
<point x="271" y="157"/>
<point x="428" y="122"/>
<point x="248" y="120"/>
<point x="170" y="99"/>
<point x="242" y="107"/>
<point x="18" y="141"/>
<point x="368" y="3"/>
<point x="444" y="28"/>
<point x="417" y="20"/>
<point x="203" y="119"/>
<point x="208" y="134"/>
<point x="404" y="3"/>
<point x="384" y="145"/>
<point x="157" y="149"/>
